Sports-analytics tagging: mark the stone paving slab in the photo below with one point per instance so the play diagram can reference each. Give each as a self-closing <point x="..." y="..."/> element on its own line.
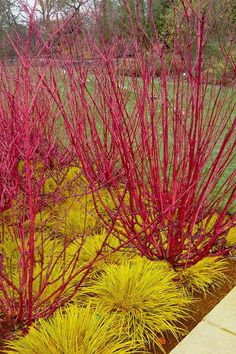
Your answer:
<point x="207" y="339"/>
<point x="216" y="333"/>
<point x="224" y="314"/>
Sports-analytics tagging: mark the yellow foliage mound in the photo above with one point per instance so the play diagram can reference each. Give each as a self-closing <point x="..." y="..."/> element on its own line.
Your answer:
<point x="141" y="297"/>
<point x="73" y="331"/>
<point x="205" y="275"/>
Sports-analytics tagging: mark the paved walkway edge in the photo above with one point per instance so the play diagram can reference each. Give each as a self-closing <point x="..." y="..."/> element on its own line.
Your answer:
<point x="216" y="333"/>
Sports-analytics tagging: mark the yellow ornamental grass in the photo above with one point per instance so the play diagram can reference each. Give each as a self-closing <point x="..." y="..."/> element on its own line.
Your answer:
<point x="78" y="255"/>
<point x="208" y="223"/>
<point x="50" y="185"/>
<point x="45" y="248"/>
<point x="10" y="251"/>
<point x="11" y="248"/>
<point x="48" y="281"/>
<point x="104" y="199"/>
<point x="141" y="297"/>
<point x="12" y="215"/>
<point x="45" y="219"/>
<point x="70" y="178"/>
<point x="37" y="168"/>
<point x="64" y="180"/>
<point x="73" y="175"/>
<point x="75" y="217"/>
<point x="231" y="237"/>
<point x="89" y="247"/>
<point x="102" y="248"/>
<point x="205" y="275"/>
<point x="73" y="331"/>
<point x="108" y="200"/>
<point x="52" y="267"/>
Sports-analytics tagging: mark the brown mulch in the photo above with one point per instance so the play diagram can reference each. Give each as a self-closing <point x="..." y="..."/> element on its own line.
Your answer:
<point x="203" y="305"/>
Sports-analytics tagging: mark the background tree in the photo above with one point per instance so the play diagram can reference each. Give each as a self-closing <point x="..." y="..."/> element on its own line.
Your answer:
<point x="9" y="13"/>
<point x="219" y="47"/>
<point x="117" y="16"/>
<point x="53" y="9"/>
<point x="11" y="23"/>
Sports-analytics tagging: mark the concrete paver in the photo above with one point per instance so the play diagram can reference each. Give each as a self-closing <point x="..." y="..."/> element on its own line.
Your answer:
<point x="216" y="333"/>
<point x="206" y="339"/>
<point x="224" y="314"/>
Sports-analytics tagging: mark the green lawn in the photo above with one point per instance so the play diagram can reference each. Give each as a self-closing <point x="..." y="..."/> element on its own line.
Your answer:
<point x="130" y="107"/>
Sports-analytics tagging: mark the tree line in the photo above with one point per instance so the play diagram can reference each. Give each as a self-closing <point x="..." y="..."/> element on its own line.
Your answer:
<point x="111" y="18"/>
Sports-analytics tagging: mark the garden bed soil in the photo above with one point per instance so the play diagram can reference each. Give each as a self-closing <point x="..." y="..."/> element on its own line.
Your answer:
<point x="202" y="306"/>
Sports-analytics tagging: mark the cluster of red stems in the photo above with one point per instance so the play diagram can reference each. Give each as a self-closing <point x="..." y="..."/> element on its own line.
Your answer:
<point x="164" y="142"/>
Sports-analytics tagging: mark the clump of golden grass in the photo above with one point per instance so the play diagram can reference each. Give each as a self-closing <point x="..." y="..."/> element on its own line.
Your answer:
<point x="142" y="298"/>
<point x="205" y="275"/>
<point x="74" y="330"/>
